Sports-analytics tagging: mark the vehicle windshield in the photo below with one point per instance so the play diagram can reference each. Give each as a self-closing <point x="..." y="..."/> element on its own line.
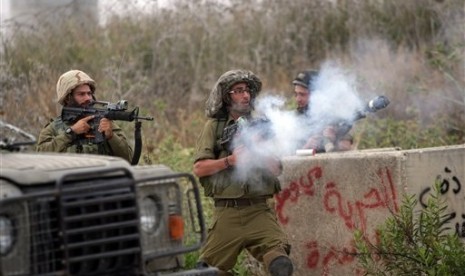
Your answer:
<point x="13" y="138"/>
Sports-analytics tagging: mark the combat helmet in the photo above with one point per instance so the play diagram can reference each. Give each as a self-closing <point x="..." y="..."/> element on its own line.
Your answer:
<point x="219" y="94"/>
<point x="305" y="78"/>
<point x="70" y="80"/>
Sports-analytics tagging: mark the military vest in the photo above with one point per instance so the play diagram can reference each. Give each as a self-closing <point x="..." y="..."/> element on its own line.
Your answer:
<point x="59" y="126"/>
<point x="228" y="184"/>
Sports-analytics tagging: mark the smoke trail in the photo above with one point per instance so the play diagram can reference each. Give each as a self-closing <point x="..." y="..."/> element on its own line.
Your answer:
<point x="333" y="97"/>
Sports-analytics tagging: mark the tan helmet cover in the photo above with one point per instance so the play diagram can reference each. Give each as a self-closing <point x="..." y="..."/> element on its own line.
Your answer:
<point x="224" y="83"/>
<point x="70" y="80"/>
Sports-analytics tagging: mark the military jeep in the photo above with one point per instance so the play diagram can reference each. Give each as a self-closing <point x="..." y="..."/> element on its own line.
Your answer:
<point x="76" y="214"/>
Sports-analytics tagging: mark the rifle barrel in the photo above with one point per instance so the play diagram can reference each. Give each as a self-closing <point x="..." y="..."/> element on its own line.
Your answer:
<point x="144" y="118"/>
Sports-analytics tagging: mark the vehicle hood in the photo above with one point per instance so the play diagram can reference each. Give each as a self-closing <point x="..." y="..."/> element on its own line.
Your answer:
<point x="29" y="168"/>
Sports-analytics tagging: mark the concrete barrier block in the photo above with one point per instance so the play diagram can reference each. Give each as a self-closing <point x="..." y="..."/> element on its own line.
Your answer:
<point x="326" y="197"/>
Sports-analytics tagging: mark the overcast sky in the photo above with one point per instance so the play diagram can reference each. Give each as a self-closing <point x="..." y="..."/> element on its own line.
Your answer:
<point x="105" y="7"/>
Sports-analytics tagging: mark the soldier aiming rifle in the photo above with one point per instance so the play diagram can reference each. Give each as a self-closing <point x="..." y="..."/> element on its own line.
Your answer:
<point x="85" y="128"/>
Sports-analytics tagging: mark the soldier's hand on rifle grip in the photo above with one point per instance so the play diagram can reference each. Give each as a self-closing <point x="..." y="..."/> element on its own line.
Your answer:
<point x="240" y="153"/>
<point x="330" y="133"/>
<point x="106" y="127"/>
<point x="313" y="142"/>
<point x="82" y="126"/>
<point x="235" y="155"/>
<point x="344" y="145"/>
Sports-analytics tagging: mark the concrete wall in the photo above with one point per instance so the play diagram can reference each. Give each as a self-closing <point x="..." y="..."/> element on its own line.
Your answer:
<point x="326" y="197"/>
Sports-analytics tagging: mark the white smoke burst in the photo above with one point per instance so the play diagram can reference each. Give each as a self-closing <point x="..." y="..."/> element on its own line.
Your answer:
<point x="334" y="94"/>
<point x="334" y="97"/>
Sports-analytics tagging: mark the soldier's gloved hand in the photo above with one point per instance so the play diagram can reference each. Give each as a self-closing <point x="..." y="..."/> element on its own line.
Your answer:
<point x="106" y="127"/>
<point x="82" y="126"/>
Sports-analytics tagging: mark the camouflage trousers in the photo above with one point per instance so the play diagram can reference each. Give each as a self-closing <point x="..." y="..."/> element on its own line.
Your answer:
<point x="254" y="228"/>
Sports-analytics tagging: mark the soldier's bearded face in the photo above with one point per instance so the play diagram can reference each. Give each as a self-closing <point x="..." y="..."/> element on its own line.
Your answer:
<point x="302" y="96"/>
<point x="82" y="95"/>
<point x="240" y="96"/>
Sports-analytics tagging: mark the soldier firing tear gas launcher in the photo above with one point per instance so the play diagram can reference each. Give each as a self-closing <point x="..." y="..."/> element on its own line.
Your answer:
<point x="261" y="128"/>
<point x="372" y="106"/>
<point x="343" y="126"/>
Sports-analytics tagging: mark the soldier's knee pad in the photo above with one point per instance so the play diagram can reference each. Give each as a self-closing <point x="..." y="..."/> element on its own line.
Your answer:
<point x="281" y="266"/>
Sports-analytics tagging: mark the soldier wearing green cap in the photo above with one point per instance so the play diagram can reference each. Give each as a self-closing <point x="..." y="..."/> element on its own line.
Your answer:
<point x="77" y="89"/>
<point x="242" y="218"/>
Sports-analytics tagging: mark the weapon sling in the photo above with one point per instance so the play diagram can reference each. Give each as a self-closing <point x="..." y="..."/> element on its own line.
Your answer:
<point x="137" y="143"/>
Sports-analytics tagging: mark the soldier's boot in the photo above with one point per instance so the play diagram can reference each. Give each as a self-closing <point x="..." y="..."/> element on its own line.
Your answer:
<point x="281" y="266"/>
<point x="201" y="264"/>
<point x="278" y="263"/>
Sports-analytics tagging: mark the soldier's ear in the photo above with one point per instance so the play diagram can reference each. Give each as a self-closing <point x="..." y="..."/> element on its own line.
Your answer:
<point x="68" y="99"/>
<point x="227" y="99"/>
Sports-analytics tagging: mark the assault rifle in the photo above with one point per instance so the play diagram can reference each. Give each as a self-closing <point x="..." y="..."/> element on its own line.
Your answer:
<point x="112" y="111"/>
<point x="254" y="127"/>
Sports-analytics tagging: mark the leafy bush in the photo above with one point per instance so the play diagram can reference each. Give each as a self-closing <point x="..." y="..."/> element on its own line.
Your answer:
<point x="404" y="134"/>
<point x="413" y="243"/>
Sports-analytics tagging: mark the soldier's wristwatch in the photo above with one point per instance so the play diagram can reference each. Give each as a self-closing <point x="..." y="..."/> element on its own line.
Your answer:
<point x="69" y="131"/>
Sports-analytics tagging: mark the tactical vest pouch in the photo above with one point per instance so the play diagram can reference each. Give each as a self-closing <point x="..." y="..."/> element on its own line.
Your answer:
<point x="221" y="185"/>
<point x="261" y="183"/>
<point x="207" y="185"/>
<point x="225" y="186"/>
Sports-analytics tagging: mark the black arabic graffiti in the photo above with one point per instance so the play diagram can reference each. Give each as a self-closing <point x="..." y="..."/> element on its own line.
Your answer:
<point x="455" y="186"/>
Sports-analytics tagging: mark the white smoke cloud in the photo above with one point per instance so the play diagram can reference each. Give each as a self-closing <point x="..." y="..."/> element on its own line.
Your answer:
<point x="334" y="97"/>
<point x="334" y="94"/>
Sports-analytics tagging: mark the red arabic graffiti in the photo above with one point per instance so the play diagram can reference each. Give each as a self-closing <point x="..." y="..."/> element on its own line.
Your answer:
<point x="304" y="185"/>
<point x="318" y="257"/>
<point x="349" y="211"/>
<point x="384" y="196"/>
<point x="332" y="254"/>
<point x="353" y="212"/>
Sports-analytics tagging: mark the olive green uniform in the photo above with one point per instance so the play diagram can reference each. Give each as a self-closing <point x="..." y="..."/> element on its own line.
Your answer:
<point x="242" y="219"/>
<point x="305" y="122"/>
<point x="53" y="138"/>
